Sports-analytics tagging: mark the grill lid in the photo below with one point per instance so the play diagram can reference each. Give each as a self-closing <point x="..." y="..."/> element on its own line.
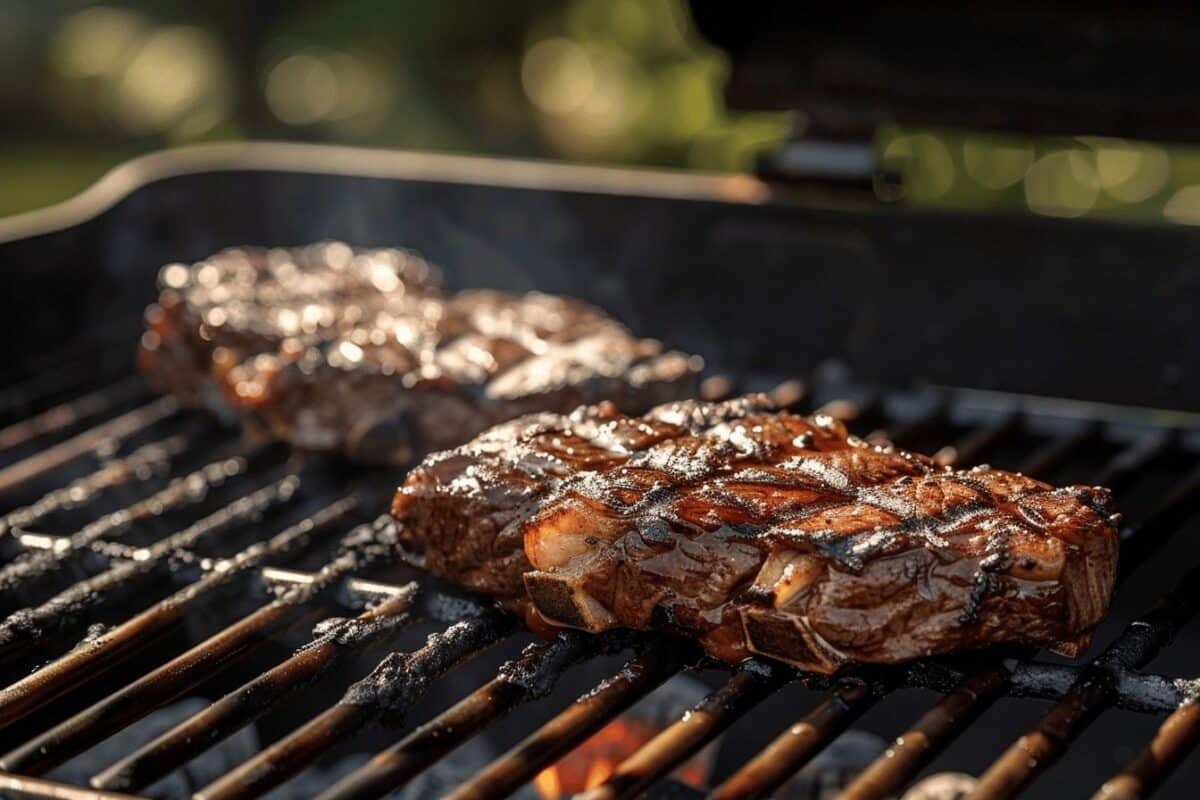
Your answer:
<point x="1039" y="68"/>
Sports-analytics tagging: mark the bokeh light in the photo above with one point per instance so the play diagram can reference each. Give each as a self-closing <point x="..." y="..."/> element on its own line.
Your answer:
<point x="117" y="65"/>
<point x="96" y="42"/>
<point x="624" y="81"/>
<point x="175" y="81"/>
<point x="558" y="75"/>
<point x="301" y="89"/>
<point x="322" y="85"/>
<point x="928" y="167"/>
<point x="629" y="80"/>
<point x="1130" y="172"/>
<point x="995" y="164"/>
<point x="1062" y="184"/>
<point x="1184" y="206"/>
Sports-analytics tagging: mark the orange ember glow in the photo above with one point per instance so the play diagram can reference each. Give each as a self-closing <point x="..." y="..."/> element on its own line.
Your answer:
<point x="590" y="764"/>
<point x="547" y="784"/>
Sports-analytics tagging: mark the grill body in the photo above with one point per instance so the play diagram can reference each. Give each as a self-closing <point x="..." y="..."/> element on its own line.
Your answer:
<point x="1082" y="309"/>
<point x="151" y="557"/>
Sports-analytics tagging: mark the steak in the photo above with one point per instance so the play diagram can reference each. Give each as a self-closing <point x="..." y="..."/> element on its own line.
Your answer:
<point x="758" y="531"/>
<point x="333" y="350"/>
<point x="244" y="302"/>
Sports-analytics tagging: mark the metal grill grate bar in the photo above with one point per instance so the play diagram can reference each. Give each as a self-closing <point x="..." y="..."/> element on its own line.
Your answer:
<point x="115" y="430"/>
<point x="797" y="745"/>
<point x="242" y="706"/>
<point x="79" y="365"/>
<point x="123" y="578"/>
<point x="366" y="591"/>
<point x="580" y="720"/>
<point x="1175" y="738"/>
<point x="1092" y="693"/>
<point x="953" y="713"/>
<point x="63" y="416"/>
<point x="531" y="676"/>
<point x="172" y="679"/>
<point x="1058" y="451"/>
<point x="26" y="786"/>
<point x="390" y="689"/>
<point x="914" y="748"/>
<point x="917" y="746"/>
<point x="970" y="447"/>
<point x="82" y="666"/>
<point x="185" y="491"/>
<point x="147" y="460"/>
<point x="1139" y="541"/>
<point x="751" y="683"/>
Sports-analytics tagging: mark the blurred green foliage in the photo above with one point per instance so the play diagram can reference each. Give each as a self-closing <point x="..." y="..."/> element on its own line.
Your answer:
<point x="1055" y="177"/>
<point x="588" y="80"/>
<point x="84" y="86"/>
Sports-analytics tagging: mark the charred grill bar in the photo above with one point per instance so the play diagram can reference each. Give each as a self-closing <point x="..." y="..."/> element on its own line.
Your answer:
<point x="146" y="554"/>
<point x="584" y="717"/>
<point x="53" y="581"/>
<point x="531" y="676"/>
<point x="914" y="748"/>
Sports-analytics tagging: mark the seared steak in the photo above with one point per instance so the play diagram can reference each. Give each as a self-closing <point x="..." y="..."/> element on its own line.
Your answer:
<point x="244" y="302"/>
<point x="360" y="353"/>
<point x="759" y="531"/>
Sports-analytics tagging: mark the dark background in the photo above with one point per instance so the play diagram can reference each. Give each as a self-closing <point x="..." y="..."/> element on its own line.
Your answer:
<point x="84" y="86"/>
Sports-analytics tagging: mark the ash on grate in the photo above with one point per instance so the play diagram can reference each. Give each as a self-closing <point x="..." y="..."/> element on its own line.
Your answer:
<point x="181" y="783"/>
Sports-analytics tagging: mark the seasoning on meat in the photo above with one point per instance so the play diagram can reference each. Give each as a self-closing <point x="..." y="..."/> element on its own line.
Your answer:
<point x="244" y="302"/>
<point x="360" y="352"/>
<point x="759" y="531"/>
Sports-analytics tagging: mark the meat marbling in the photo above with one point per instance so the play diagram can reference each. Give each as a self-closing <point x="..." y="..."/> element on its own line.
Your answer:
<point x="759" y="531"/>
<point x="360" y="352"/>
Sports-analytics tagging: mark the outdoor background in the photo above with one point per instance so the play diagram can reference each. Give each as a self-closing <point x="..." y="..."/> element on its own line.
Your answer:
<point x="84" y="86"/>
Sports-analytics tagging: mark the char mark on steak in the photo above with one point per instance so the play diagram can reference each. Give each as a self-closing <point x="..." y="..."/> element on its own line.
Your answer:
<point x="332" y="349"/>
<point x="759" y="531"/>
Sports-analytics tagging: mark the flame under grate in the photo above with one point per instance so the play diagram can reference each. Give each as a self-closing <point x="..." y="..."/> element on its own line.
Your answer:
<point x="126" y="517"/>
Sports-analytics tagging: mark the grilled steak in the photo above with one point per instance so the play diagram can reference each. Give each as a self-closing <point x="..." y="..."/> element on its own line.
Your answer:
<point x="245" y="302"/>
<point x="759" y="531"/>
<point x="361" y="353"/>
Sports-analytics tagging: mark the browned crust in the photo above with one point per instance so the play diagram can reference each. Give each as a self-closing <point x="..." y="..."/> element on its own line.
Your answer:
<point x="759" y="531"/>
<point x="332" y="349"/>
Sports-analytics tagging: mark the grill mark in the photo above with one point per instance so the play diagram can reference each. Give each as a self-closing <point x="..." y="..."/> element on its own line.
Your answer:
<point x="848" y="550"/>
<point x="687" y="477"/>
<point x="330" y="348"/>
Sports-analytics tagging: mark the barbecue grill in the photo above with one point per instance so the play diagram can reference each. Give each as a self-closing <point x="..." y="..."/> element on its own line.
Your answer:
<point x="206" y="561"/>
<point x="151" y="556"/>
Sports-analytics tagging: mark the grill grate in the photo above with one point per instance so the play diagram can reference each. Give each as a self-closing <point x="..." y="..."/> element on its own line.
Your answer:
<point x="122" y="508"/>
